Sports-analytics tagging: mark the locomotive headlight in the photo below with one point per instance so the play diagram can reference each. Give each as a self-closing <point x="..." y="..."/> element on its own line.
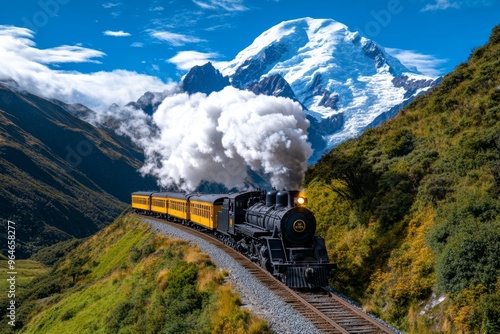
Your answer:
<point x="301" y="200"/>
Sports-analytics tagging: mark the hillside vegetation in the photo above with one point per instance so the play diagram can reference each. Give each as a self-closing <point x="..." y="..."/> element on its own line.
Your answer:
<point x="128" y="279"/>
<point x="61" y="177"/>
<point x="411" y="210"/>
<point x="27" y="271"/>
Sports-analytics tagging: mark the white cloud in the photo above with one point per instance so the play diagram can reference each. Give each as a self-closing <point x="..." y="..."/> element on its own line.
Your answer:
<point x="64" y="54"/>
<point x="427" y="64"/>
<point x="219" y="27"/>
<point x="227" y="5"/>
<point x="15" y="31"/>
<point x="18" y="41"/>
<point x="446" y="4"/>
<point x="185" y="60"/>
<point x="440" y="5"/>
<point x="173" y="38"/>
<point x="204" y="5"/>
<point x="157" y="9"/>
<point x="108" y="5"/>
<point x="119" y="33"/>
<point x="29" y="67"/>
<point x="137" y="45"/>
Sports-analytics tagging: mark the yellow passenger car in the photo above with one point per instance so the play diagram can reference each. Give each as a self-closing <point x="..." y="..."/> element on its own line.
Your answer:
<point x="178" y="205"/>
<point x="141" y="200"/>
<point x="159" y="203"/>
<point x="204" y="209"/>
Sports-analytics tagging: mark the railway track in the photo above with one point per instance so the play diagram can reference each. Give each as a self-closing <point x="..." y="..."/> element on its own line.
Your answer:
<point x="327" y="311"/>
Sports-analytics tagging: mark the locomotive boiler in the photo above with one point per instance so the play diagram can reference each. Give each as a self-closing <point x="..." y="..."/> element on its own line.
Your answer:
<point x="279" y="232"/>
<point x="296" y="224"/>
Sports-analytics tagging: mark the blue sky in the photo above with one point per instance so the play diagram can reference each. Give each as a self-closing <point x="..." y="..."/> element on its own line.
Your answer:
<point x="159" y="40"/>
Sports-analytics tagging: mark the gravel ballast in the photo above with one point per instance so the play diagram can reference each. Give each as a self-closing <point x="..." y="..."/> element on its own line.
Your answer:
<point x="255" y="296"/>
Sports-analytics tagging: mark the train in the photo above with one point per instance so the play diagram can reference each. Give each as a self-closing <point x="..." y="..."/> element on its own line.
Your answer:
<point x="272" y="228"/>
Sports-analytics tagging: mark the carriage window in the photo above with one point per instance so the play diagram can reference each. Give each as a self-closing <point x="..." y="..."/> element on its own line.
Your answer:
<point x="139" y="200"/>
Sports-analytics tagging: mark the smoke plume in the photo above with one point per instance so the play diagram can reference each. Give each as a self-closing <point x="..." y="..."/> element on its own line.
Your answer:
<point x="216" y="138"/>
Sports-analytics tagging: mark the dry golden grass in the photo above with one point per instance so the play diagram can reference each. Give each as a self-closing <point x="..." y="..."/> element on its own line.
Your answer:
<point x="162" y="278"/>
<point x="207" y="276"/>
<point x="194" y="255"/>
<point x="149" y="263"/>
<point x="119" y="275"/>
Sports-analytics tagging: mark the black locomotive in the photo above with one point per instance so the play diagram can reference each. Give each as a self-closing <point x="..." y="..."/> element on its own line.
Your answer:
<point x="273" y="229"/>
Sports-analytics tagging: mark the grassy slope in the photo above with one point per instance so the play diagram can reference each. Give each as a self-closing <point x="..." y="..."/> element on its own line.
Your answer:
<point x="26" y="270"/>
<point x="128" y="279"/>
<point x="411" y="210"/>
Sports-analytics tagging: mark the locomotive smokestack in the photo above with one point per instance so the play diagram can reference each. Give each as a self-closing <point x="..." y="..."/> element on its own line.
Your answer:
<point x="292" y="196"/>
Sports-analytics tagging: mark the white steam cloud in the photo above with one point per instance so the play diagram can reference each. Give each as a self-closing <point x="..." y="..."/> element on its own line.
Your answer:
<point x="215" y="138"/>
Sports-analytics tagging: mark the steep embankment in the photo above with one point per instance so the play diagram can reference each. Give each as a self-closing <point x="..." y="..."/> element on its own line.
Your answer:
<point x="129" y="279"/>
<point x="61" y="177"/>
<point x="411" y="210"/>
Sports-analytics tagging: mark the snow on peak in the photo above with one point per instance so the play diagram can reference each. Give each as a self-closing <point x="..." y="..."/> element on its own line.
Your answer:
<point x="294" y="33"/>
<point x="332" y="71"/>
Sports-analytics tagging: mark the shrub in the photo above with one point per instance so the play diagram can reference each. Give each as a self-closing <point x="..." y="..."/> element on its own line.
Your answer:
<point x="470" y="257"/>
<point x="399" y="143"/>
<point x="119" y="317"/>
<point x="351" y="169"/>
<point x="452" y="80"/>
<point x="435" y="188"/>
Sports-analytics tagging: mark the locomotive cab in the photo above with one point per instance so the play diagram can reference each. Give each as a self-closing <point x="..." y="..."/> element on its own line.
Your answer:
<point x="233" y="210"/>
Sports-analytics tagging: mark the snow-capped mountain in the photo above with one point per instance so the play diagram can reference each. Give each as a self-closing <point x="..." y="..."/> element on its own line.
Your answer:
<point x="335" y="73"/>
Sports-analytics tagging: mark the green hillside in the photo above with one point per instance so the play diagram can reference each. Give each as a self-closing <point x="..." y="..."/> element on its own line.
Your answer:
<point x="129" y="279"/>
<point x="411" y="210"/>
<point x="61" y="177"/>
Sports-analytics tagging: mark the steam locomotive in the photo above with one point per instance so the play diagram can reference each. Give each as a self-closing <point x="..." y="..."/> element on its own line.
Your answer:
<point x="273" y="229"/>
